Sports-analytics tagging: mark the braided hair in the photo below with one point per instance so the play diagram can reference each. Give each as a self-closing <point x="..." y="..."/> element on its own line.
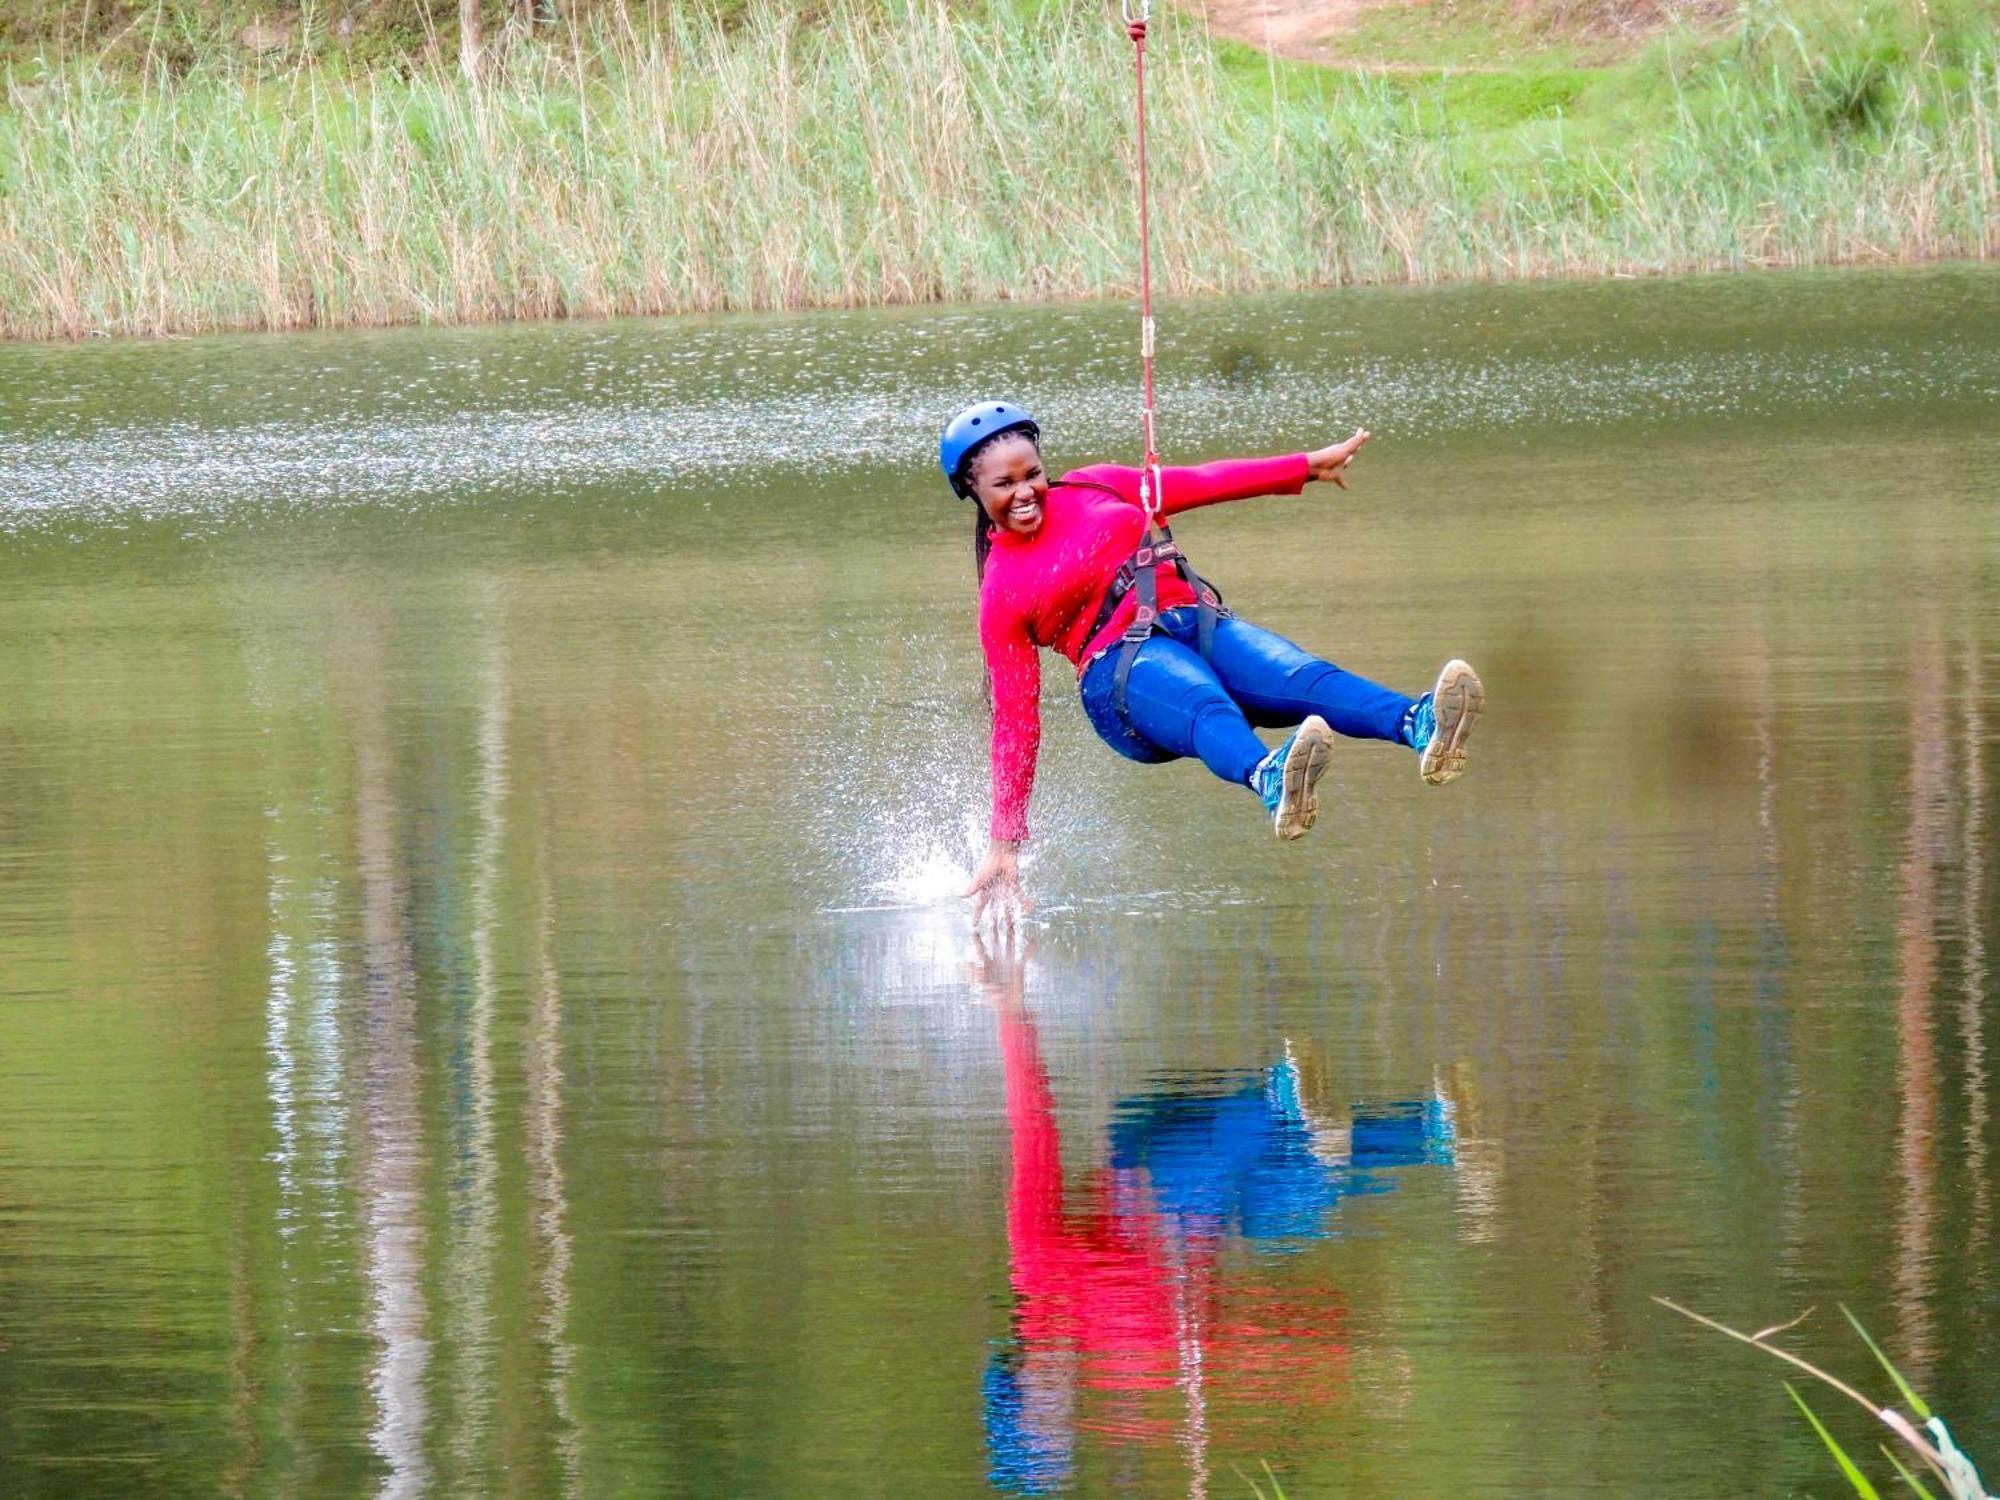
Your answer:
<point x="982" y="542"/>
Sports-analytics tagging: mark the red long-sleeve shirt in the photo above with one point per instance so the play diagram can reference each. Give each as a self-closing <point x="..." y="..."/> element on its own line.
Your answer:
<point x="1045" y="590"/>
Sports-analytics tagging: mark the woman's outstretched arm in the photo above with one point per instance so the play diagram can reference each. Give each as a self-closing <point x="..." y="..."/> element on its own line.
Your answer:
<point x="1014" y="668"/>
<point x="1188" y="487"/>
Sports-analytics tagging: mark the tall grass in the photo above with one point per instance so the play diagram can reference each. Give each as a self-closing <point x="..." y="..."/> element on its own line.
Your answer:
<point x="937" y="154"/>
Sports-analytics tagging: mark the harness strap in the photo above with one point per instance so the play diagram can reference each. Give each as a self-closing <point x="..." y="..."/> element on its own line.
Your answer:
<point x="1144" y="564"/>
<point x="1207" y="596"/>
<point x="1141" y="572"/>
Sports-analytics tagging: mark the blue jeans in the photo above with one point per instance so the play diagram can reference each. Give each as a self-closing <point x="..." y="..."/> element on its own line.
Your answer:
<point x="1183" y="705"/>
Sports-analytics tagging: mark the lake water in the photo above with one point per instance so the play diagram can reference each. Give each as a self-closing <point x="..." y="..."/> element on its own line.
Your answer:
<point x="482" y="1009"/>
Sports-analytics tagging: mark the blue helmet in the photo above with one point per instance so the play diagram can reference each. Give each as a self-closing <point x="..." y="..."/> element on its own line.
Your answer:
<point x="974" y="426"/>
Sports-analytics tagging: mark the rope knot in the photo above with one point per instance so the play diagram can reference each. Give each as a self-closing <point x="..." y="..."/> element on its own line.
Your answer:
<point x="1136" y="31"/>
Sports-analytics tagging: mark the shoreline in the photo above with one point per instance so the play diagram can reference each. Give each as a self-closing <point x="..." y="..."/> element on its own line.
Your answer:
<point x="1882" y="264"/>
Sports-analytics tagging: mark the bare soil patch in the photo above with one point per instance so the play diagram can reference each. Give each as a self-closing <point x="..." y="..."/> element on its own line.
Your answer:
<point x="1290" y="28"/>
<point x="1313" y="30"/>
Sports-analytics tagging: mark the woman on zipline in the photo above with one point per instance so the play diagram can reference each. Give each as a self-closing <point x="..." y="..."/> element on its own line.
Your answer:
<point x="1058" y="567"/>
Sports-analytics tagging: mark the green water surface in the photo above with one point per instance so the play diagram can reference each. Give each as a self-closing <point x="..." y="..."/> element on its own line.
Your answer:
<point x="483" y="1012"/>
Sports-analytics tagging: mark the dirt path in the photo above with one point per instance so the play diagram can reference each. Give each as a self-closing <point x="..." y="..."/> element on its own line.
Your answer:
<point x="1311" y="29"/>
<point x="1290" y="28"/>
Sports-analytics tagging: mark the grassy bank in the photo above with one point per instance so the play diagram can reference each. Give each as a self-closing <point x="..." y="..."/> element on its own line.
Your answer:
<point x="891" y="155"/>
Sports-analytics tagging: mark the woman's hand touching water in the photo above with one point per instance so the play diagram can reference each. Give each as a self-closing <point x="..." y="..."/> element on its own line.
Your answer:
<point x="1331" y="463"/>
<point x="996" y="887"/>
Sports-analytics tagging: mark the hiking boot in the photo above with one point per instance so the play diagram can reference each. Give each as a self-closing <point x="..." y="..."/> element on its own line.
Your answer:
<point x="1285" y="778"/>
<point x="1440" y="721"/>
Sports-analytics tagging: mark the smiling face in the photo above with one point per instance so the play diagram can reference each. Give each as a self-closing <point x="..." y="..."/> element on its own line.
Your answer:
<point x="1008" y="482"/>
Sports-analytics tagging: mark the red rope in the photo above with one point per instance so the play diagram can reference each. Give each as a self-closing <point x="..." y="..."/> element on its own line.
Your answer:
<point x="1149" y="475"/>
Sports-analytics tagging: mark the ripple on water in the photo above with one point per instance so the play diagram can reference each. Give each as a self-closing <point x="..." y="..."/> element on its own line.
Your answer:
<point x="434" y="416"/>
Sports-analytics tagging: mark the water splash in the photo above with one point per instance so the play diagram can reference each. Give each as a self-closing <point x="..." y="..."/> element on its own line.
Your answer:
<point x="931" y="877"/>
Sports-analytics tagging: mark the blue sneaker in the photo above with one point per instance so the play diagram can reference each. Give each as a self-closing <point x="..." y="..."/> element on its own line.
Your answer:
<point x="1437" y="725"/>
<point x="1285" y="778"/>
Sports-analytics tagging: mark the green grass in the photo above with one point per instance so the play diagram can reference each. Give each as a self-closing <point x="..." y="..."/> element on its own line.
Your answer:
<point x="880" y="154"/>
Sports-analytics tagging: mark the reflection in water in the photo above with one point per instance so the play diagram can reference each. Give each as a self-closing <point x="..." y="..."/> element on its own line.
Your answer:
<point x="1972" y="1004"/>
<point x="305" y="1084"/>
<point x="469" y="1282"/>
<point x="546" y="1190"/>
<point x="1916" y="1068"/>
<point x="306" y="1065"/>
<point x="1127" y="1296"/>
<point x="436" y="1290"/>
<point x="245" y="1446"/>
<point x="1777" y="1094"/>
<point x="391" y="1117"/>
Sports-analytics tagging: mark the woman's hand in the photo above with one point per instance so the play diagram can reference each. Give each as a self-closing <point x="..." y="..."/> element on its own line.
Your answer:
<point x="1327" y="463"/>
<point x="997" y="885"/>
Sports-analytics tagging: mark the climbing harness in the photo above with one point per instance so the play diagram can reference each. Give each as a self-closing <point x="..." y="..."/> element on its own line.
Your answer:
<point x="1140" y="571"/>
